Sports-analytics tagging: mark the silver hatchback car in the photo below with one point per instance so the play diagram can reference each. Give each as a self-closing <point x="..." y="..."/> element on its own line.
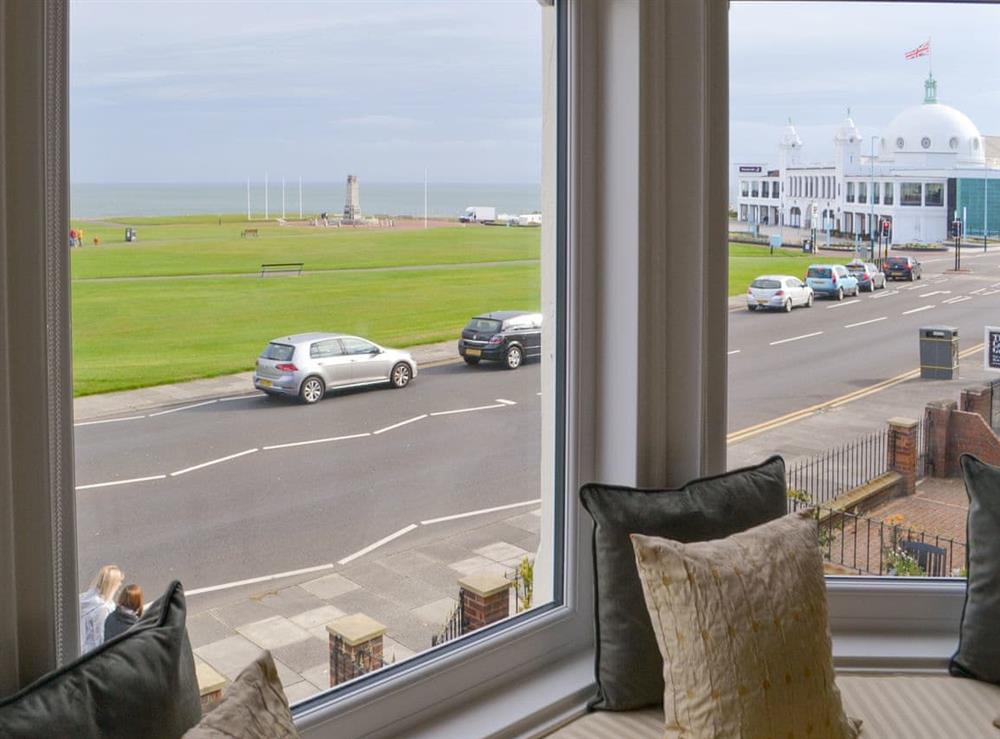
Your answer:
<point x="307" y="365"/>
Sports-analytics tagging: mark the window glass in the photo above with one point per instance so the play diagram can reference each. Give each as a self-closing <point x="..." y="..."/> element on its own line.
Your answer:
<point x="765" y="189"/>
<point x="875" y="193"/>
<point x="862" y="192"/>
<point x="888" y="193"/>
<point x="850" y="192"/>
<point x="909" y="193"/>
<point x="765" y="284"/>
<point x="744" y="188"/>
<point x="754" y="189"/>
<point x="305" y="167"/>
<point x="934" y="194"/>
<point x="821" y="272"/>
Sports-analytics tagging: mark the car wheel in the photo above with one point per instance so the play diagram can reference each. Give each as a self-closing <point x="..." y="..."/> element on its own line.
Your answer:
<point x="751" y="308"/>
<point x="312" y="390"/>
<point x="788" y="306"/>
<point x="809" y="301"/>
<point x="471" y="360"/>
<point x="919" y="275"/>
<point x="400" y="375"/>
<point x="840" y="293"/>
<point x="514" y="357"/>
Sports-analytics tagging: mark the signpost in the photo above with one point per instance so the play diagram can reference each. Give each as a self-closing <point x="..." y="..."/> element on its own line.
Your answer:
<point x="991" y="348"/>
<point x="956" y="227"/>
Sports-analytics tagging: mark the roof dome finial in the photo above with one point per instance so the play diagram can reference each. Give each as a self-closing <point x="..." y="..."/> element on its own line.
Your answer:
<point x="930" y="90"/>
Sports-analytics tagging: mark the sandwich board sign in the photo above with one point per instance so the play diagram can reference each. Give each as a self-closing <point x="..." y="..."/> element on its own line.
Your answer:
<point x="991" y="347"/>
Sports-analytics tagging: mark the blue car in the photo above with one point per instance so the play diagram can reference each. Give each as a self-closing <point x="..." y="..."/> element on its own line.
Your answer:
<point x="832" y="280"/>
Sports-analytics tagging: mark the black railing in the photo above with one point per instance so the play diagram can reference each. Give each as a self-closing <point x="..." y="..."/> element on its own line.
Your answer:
<point x="452" y="628"/>
<point x="522" y="578"/>
<point x="822" y="478"/>
<point x="995" y="404"/>
<point x="862" y="545"/>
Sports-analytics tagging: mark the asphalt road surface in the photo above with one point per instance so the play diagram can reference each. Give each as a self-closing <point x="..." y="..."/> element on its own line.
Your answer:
<point x="238" y="489"/>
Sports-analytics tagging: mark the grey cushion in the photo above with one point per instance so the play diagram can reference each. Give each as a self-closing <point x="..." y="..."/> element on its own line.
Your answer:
<point x="140" y="683"/>
<point x="253" y="707"/>
<point x="978" y="654"/>
<point x="629" y="666"/>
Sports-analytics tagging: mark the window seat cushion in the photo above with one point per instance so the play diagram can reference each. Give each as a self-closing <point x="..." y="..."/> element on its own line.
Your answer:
<point x="890" y="706"/>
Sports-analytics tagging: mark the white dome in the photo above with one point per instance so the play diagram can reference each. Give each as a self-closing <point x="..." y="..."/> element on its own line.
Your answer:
<point x="933" y="128"/>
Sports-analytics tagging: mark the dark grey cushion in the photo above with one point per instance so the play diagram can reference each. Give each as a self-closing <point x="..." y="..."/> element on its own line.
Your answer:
<point x="978" y="654"/>
<point x="629" y="667"/>
<point x="140" y="683"/>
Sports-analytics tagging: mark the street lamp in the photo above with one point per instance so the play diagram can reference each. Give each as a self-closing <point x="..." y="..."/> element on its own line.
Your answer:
<point x="871" y="204"/>
<point x="986" y="195"/>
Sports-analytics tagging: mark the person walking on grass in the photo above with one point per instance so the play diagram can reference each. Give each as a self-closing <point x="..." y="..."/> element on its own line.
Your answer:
<point x="96" y="604"/>
<point x="127" y="614"/>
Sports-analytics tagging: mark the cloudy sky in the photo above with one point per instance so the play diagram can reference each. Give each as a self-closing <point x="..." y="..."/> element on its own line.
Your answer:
<point x="219" y="90"/>
<point x="810" y="62"/>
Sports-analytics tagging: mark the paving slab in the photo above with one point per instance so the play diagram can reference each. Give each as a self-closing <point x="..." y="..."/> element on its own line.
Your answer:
<point x="230" y="655"/>
<point x="300" y="691"/>
<point x="406" y="591"/>
<point x="530" y="522"/>
<point x="205" y="628"/>
<point x="288" y="601"/>
<point x="302" y="655"/>
<point x="241" y="612"/>
<point x="317" y="617"/>
<point x="437" y="612"/>
<point x="502" y="551"/>
<point x="273" y="632"/>
<point x="392" y="651"/>
<point x="329" y="586"/>
<point x="318" y="675"/>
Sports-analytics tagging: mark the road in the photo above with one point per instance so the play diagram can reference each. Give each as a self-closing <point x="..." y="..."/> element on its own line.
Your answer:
<point x="238" y="489"/>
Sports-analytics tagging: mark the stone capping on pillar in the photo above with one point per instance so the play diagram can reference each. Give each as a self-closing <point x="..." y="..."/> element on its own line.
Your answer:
<point x="210" y="685"/>
<point x="903" y="451"/>
<point x="355" y="647"/>
<point x="485" y="599"/>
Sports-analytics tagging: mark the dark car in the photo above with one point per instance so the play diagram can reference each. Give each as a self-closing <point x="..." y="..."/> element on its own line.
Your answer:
<point x="502" y="336"/>
<point x="902" y="268"/>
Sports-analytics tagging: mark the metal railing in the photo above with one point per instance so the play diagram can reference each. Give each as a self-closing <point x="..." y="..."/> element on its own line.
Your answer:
<point x="995" y="404"/>
<point x="868" y="546"/>
<point x="452" y="628"/>
<point x="826" y="476"/>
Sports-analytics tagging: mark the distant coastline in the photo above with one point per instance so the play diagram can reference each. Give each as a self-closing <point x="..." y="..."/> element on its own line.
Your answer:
<point x="444" y="200"/>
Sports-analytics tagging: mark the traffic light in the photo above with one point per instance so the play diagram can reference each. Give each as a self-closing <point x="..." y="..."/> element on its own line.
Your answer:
<point x="956" y="229"/>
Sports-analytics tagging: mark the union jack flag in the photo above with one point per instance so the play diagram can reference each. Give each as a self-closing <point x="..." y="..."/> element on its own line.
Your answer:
<point x="923" y="50"/>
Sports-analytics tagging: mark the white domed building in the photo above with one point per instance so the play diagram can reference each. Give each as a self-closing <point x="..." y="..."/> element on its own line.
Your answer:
<point x="931" y="166"/>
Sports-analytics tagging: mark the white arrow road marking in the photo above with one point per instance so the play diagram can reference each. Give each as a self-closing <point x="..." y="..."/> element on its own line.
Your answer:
<point x="841" y="305"/>
<point x="506" y="402"/>
<point x="959" y="299"/>
<point x="934" y="292"/>
<point x="795" y="338"/>
<point x="315" y="441"/>
<point x="734" y="351"/>
<point x="401" y="423"/>
<point x="214" y="461"/>
<point x="976" y="292"/>
<point x="372" y="547"/>
<point x="120" y="482"/>
<point x="865" y="323"/>
<point x="885" y="294"/>
<point x="917" y="310"/>
<point x="991" y="292"/>
<point x="469" y="410"/>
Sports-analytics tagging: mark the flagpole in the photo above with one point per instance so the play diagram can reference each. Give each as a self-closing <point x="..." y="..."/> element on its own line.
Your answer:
<point x="930" y="56"/>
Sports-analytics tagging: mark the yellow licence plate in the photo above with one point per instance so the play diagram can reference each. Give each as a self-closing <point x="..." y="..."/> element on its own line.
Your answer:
<point x="762" y="301"/>
<point x="265" y="383"/>
<point x="473" y="352"/>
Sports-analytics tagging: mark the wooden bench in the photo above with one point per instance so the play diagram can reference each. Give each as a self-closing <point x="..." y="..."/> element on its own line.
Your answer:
<point x="250" y="232"/>
<point x="282" y="268"/>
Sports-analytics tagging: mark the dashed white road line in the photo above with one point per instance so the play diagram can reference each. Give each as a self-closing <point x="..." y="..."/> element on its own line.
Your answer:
<point x="120" y="482"/>
<point x="401" y="423"/>
<point x="469" y="410"/>
<point x="885" y="294"/>
<point x="315" y="441"/>
<point x="931" y="261"/>
<point x="506" y="402"/>
<point x="914" y="287"/>
<point x="991" y="292"/>
<point x="959" y="299"/>
<point x="977" y="292"/>
<point x="214" y="461"/>
<point x="108" y="420"/>
<point x="240" y="397"/>
<point x="480" y="512"/>
<point x="934" y="292"/>
<point x="372" y="547"/>
<point x="841" y="305"/>
<point x="796" y="338"/>
<point x="182" y="408"/>
<point x="917" y="310"/>
<point x="865" y="323"/>
<point x="734" y="351"/>
<point x="255" y="580"/>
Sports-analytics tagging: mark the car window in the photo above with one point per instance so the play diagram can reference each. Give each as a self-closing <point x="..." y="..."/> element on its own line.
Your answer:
<point x="483" y="325"/>
<point x="822" y="272"/>
<point x="278" y="352"/>
<point x="354" y="345"/>
<point x="896" y="261"/>
<point x="765" y="284"/>
<point x="328" y="348"/>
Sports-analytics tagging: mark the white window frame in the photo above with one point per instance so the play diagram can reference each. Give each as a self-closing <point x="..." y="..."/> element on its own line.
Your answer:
<point x="617" y="86"/>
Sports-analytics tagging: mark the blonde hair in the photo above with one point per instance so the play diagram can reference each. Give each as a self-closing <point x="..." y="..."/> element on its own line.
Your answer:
<point x="109" y="578"/>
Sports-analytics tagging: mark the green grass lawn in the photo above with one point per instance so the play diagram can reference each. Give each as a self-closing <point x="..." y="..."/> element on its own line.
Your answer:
<point x="137" y="333"/>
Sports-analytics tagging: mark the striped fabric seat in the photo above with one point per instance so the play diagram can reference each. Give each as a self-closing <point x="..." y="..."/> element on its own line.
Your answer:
<point x="892" y="707"/>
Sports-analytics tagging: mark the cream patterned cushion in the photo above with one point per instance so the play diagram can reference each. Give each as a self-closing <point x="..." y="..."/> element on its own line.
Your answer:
<point x="742" y="626"/>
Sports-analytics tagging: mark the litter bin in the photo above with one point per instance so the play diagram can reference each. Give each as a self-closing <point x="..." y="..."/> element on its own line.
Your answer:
<point x="130" y="234"/>
<point x="938" y="352"/>
<point x="807" y="246"/>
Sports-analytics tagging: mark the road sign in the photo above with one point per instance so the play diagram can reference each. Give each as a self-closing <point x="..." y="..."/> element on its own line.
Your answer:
<point x="991" y="348"/>
<point x="775" y="241"/>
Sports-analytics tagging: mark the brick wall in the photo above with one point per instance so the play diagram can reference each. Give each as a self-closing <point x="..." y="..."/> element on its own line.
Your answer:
<point x="978" y="399"/>
<point x="952" y="432"/>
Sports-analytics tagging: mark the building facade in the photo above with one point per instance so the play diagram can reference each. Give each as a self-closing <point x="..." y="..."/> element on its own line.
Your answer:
<point x="929" y="167"/>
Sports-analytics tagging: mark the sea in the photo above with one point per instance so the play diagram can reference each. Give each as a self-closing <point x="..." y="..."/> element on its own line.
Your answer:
<point x="444" y="200"/>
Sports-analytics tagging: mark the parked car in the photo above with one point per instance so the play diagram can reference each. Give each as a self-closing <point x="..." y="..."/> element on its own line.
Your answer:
<point x="778" y="292"/>
<point x="832" y="280"/>
<point x="870" y="277"/>
<point x="502" y="336"/>
<point x="307" y="365"/>
<point x="902" y="268"/>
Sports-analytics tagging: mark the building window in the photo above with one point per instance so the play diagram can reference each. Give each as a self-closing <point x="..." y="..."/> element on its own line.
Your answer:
<point x="765" y="189"/>
<point x="862" y="192"/>
<point x="875" y="193"/>
<point x="850" y="192"/>
<point x="935" y="193"/>
<point x="754" y="189"/>
<point x="888" y="193"/>
<point x="775" y="189"/>
<point x="909" y="193"/>
<point x="744" y="188"/>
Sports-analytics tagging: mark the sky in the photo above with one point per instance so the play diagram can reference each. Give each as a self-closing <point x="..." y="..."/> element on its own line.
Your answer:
<point x="812" y="61"/>
<point x="219" y="91"/>
<point x="222" y="90"/>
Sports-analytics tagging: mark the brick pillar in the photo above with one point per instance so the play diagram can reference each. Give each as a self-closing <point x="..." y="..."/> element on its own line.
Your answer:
<point x="903" y="451"/>
<point x="978" y="399"/>
<point x="355" y="647"/>
<point x="485" y="599"/>
<point x="210" y="685"/>
<point x="937" y="419"/>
